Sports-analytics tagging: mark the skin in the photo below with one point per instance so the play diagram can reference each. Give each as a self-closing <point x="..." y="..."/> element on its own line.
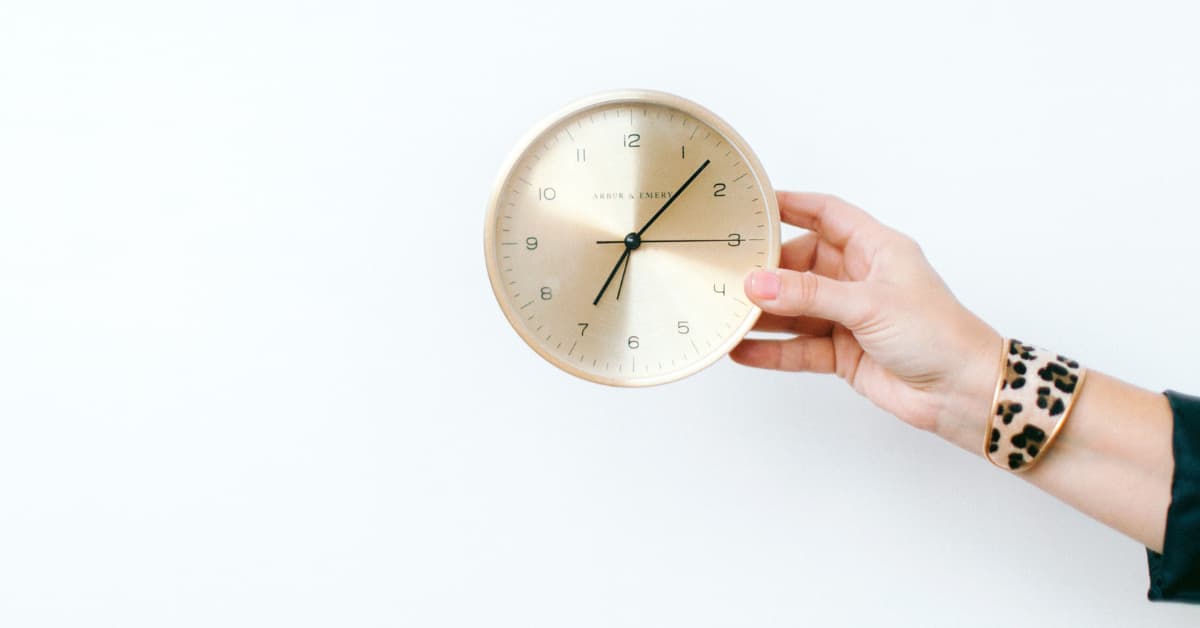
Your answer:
<point x="865" y="304"/>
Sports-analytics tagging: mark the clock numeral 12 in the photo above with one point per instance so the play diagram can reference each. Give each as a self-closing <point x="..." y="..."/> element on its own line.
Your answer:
<point x="633" y="140"/>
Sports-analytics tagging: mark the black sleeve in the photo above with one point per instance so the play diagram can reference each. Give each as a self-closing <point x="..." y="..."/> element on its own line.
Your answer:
<point x="1175" y="573"/>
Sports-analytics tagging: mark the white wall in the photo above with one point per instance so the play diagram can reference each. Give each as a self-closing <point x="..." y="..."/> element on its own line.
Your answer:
<point x="251" y="372"/>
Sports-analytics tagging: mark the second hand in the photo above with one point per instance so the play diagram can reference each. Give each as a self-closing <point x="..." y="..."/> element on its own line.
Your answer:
<point x="688" y="240"/>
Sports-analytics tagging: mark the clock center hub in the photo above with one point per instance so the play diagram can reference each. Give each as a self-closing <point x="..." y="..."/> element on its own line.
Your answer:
<point x="633" y="240"/>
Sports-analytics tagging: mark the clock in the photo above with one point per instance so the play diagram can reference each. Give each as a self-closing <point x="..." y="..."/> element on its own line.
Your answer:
<point x="619" y="233"/>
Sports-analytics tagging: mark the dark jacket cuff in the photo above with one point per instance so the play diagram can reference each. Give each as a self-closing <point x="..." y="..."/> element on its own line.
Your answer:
<point x="1175" y="573"/>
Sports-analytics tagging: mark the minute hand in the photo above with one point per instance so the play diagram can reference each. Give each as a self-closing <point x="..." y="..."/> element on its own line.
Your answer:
<point x="673" y="197"/>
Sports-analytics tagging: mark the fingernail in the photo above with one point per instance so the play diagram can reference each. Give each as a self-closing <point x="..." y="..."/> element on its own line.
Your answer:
<point x="764" y="284"/>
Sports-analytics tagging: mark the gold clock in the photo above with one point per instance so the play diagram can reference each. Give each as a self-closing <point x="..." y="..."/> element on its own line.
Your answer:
<point x="618" y="235"/>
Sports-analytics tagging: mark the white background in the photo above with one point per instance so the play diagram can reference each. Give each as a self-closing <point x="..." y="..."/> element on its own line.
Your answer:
<point x="252" y="373"/>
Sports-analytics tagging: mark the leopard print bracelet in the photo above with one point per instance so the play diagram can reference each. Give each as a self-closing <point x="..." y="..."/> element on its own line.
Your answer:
<point x="1033" y="398"/>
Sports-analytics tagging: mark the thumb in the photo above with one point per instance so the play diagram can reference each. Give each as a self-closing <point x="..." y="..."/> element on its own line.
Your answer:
<point x="792" y="293"/>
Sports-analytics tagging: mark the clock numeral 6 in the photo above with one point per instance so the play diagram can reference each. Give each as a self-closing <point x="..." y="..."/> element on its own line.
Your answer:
<point x="633" y="140"/>
<point x="531" y="243"/>
<point x="718" y="189"/>
<point x="633" y="342"/>
<point x="682" y="327"/>
<point x="547" y="194"/>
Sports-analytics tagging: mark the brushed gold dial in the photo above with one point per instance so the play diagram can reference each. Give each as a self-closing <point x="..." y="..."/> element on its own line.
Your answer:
<point x="619" y="233"/>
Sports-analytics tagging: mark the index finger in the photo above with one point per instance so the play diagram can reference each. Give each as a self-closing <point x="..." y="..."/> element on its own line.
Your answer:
<point x="836" y="220"/>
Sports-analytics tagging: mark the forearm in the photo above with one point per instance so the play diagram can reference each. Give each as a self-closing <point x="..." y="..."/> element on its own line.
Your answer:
<point x="899" y="337"/>
<point x="1112" y="460"/>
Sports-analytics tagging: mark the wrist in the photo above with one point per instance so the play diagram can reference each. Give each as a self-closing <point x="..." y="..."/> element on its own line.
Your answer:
<point x="966" y="404"/>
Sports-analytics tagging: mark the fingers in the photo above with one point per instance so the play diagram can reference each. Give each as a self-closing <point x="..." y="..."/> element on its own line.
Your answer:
<point x="835" y="219"/>
<point x="806" y="295"/>
<point x="811" y="252"/>
<point x="791" y="293"/>
<point x="806" y="325"/>
<point x="807" y="252"/>
<point x="797" y="354"/>
<point x="800" y="253"/>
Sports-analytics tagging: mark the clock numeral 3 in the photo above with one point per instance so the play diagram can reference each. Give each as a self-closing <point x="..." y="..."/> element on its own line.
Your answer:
<point x="735" y="239"/>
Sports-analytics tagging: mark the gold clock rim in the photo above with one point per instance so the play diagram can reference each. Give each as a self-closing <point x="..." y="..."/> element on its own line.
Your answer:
<point x="610" y="97"/>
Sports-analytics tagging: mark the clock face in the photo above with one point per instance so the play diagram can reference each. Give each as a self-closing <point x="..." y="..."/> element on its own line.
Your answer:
<point x="619" y="235"/>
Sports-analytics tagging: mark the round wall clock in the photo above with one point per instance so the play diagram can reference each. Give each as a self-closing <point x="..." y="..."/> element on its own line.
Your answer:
<point x="619" y="233"/>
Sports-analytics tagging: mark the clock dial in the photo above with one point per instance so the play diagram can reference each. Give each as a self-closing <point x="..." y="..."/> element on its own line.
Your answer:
<point x="619" y="235"/>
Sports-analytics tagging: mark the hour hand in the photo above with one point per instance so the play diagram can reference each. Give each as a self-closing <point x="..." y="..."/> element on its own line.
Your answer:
<point x="620" y="260"/>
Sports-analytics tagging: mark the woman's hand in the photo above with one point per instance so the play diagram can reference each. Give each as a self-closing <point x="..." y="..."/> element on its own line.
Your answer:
<point x="866" y="304"/>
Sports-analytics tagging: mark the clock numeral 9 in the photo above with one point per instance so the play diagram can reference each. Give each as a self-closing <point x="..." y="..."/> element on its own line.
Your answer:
<point x="633" y="342"/>
<point x="718" y="189"/>
<point x="547" y="194"/>
<point x="633" y="140"/>
<point x="682" y="328"/>
<point x="531" y="243"/>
